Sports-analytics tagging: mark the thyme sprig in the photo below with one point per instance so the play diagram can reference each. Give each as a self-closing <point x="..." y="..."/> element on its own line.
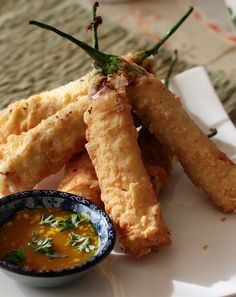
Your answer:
<point x="49" y="220"/>
<point x="96" y="21"/>
<point x="81" y="243"/>
<point x="68" y="222"/>
<point x="16" y="256"/>
<point x="72" y="221"/>
<point x="44" y="246"/>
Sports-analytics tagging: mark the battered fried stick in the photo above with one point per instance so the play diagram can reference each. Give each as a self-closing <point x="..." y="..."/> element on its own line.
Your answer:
<point x="207" y="167"/>
<point x="126" y="189"/>
<point x="25" y="114"/>
<point x="28" y="158"/>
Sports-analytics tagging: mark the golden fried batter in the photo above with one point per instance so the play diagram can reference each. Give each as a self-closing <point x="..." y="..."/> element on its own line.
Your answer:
<point x="25" y="114"/>
<point x="31" y="156"/>
<point x="126" y="189"/>
<point x="204" y="163"/>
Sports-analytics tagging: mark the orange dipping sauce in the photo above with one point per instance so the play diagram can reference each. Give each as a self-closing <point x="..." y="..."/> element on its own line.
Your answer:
<point x="48" y="239"/>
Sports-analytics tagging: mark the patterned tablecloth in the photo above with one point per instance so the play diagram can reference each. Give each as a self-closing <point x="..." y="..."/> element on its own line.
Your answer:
<point x="34" y="60"/>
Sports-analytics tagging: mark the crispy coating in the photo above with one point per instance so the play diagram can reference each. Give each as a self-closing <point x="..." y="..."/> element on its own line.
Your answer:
<point x="25" y="114"/>
<point x="81" y="179"/>
<point x="156" y="158"/>
<point x="207" y="167"/>
<point x="126" y="189"/>
<point x="31" y="156"/>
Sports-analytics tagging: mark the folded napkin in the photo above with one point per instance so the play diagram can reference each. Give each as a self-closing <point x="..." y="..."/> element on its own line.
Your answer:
<point x="201" y="102"/>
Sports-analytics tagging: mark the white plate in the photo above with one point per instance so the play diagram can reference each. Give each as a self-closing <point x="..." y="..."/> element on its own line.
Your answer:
<point x="185" y="268"/>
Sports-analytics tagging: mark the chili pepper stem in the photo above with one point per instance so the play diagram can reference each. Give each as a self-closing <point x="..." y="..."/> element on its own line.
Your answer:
<point x="94" y="28"/>
<point x="141" y="55"/>
<point x="108" y="63"/>
<point x="213" y="132"/>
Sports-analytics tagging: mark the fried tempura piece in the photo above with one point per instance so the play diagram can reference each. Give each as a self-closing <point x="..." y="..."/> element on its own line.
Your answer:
<point x="208" y="167"/>
<point x="28" y="158"/>
<point x="25" y="114"/>
<point x="81" y="179"/>
<point x="126" y="189"/>
<point x="156" y="159"/>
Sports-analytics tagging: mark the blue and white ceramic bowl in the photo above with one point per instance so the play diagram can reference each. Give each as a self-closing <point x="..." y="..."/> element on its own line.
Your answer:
<point x="54" y="199"/>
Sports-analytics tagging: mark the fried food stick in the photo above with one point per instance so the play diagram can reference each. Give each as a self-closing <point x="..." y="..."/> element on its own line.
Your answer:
<point x="207" y="167"/>
<point x="25" y="114"/>
<point x="28" y="158"/>
<point x="126" y="189"/>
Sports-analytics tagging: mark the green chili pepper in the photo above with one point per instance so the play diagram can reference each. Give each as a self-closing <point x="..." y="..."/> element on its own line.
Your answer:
<point x="111" y="63"/>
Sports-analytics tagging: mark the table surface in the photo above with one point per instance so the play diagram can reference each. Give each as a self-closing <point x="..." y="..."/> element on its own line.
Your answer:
<point x="205" y="39"/>
<point x="206" y="42"/>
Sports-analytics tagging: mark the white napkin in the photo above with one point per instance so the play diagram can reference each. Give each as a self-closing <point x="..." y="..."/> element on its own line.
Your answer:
<point x="201" y="102"/>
